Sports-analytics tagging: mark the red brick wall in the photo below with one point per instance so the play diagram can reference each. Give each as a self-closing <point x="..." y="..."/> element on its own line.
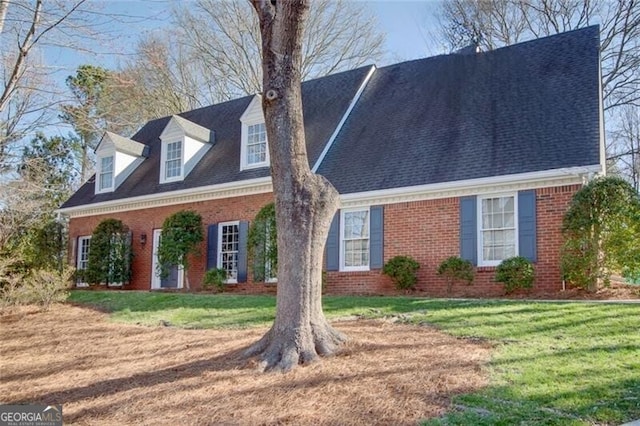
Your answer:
<point x="429" y="232"/>
<point x="425" y="230"/>
<point x="145" y="221"/>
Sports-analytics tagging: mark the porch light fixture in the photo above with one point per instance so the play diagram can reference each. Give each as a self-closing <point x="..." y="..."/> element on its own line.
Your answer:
<point x="143" y="238"/>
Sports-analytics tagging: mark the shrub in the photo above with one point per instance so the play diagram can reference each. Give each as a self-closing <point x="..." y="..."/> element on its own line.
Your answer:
<point x="110" y="256"/>
<point x="263" y="244"/>
<point x="45" y="286"/>
<point x="40" y="287"/>
<point x="182" y="234"/>
<point x="455" y="269"/>
<point x="402" y="271"/>
<point x="214" y="278"/>
<point x="601" y="229"/>
<point x="515" y="272"/>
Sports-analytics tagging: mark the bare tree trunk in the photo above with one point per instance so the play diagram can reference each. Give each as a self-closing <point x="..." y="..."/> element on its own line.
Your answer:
<point x="4" y="5"/>
<point x="305" y="202"/>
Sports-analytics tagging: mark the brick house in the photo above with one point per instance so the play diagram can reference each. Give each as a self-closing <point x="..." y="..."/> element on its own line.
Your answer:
<point x="469" y="154"/>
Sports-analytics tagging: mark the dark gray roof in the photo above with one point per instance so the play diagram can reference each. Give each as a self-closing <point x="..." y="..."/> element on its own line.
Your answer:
<point x="529" y="107"/>
<point x="325" y="100"/>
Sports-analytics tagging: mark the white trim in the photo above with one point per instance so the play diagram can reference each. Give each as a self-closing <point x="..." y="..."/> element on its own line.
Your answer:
<point x="602" y="145"/>
<point x="191" y="195"/>
<point x="244" y="146"/>
<point x="488" y="185"/>
<point x="506" y="183"/>
<point x="81" y="239"/>
<point x="156" y="281"/>
<point x="219" y="249"/>
<point x="479" y="248"/>
<point x="111" y="155"/>
<point x="353" y="103"/>
<point x="344" y="268"/>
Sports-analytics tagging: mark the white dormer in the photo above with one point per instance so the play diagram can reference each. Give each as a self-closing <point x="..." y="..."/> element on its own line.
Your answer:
<point x="254" y="151"/>
<point x="184" y="143"/>
<point x="116" y="157"/>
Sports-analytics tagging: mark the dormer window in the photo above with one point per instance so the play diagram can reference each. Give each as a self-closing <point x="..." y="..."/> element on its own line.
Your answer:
<point x="106" y="174"/>
<point x="254" y="151"/>
<point x="173" y="163"/>
<point x="184" y="143"/>
<point x="117" y="158"/>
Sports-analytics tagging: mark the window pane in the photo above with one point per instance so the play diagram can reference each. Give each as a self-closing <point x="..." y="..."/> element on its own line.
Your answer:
<point x="256" y="144"/>
<point x="498" y="231"/>
<point x="173" y="164"/>
<point x="229" y="238"/>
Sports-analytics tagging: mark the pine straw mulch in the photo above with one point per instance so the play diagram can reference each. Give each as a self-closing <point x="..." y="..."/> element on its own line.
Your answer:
<point x="117" y="374"/>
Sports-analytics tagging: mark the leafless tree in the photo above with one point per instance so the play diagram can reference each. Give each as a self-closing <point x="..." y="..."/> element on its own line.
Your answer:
<point x="625" y="153"/>
<point x="305" y="202"/>
<point x="215" y="48"/>
<point x="497" y="23"/>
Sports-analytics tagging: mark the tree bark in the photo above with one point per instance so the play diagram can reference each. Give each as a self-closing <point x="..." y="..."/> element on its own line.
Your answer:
<point x="305" y="202"/>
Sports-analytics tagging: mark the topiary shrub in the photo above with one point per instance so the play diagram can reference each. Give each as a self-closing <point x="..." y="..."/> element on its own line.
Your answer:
<point x="601" y="229"/>
<point x="455" y="269"/>
<point x="110" y="256"/>
<point x="214" y="279"/>
<point x="263" y="244"/>
<point x="182" y="234"/>
<point x="402" y="271"/>
<point x="515" y="272"/>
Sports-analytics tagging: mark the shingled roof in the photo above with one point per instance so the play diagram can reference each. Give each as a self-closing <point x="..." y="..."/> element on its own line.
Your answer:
<point x="529" y="107"/>
<point x="325" y="100"/>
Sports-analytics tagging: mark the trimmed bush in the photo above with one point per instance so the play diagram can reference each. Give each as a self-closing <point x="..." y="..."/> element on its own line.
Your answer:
<point x="601" y="229"/>
<point x="402" y="271"/>
<point x="515" y="273"/>
<point x="214" y="279"/>
<point x="456" y="269"/>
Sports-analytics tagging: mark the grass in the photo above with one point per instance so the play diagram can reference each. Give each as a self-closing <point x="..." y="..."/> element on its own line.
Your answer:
<point x="554" y="363"/>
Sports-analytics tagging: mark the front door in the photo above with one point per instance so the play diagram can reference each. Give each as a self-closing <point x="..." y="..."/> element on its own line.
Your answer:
<point x="175" y="277"/>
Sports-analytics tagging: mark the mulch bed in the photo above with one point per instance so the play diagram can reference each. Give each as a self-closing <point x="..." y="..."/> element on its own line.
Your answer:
<point x="108" y="373"/>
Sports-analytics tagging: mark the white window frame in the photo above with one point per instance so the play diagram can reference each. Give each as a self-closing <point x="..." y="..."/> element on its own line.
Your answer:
<point x="219" y="248"/>
<point x="343" y="213"/>
<point x="100" y="173"/>
<point x="81" y="263"/>
<point x="244" y="147"/>
<point x="163" y="161"/>
<point x="480" y="250"/>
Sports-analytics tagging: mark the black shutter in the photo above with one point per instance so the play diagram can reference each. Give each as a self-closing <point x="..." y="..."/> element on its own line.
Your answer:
<point x="527" y="224"/>
<point x="243" y="234"/>
<point x="332" y="248"/>
<point x="468" y="229"/>
<point x="212" y="246"/>
<point x="376" y="241"/>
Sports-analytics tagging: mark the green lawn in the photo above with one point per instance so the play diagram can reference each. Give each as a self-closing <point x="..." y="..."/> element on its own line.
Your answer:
<point x="553" y="363"/>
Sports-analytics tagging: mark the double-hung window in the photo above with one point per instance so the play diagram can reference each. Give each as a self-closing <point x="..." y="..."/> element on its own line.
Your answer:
<point x="497" y="226"/>
<point x="106" y="174"/>
<point x="354" y="250"/>
<point x="173" y="161"/>
<point x="256" y="144"/>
